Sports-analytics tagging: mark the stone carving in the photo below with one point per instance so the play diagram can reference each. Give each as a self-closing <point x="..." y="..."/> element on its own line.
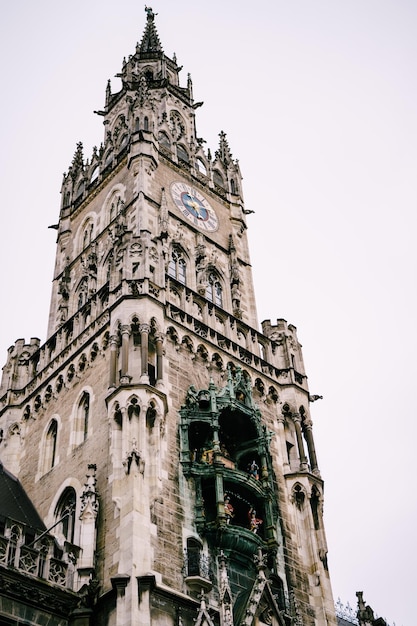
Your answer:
<point x="134" y="456"/>
<point x="89" y="497"/>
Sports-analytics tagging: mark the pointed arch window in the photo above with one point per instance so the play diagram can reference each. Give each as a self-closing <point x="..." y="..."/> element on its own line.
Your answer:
<point x="94" y="175"/>
<point x="214" y="292"/>
<point x="83" y="416"/>
<point x="146" y="123"/>
<point x="88" y="234"/>
<point x="109" y="160"/>
<point x="201" y="167"/>
<point x="50" y="447"/>
<point x="114" y="206"/>
<point x="164" y="140"/>
<point x="196" y="562"/>
<point x="182" y="154"/>
<point x="123" y="142"/>
<point x="80" y="190"/>
<point x="177" y="267"/>
<point x="65" y="514"/>
<point x="218" y="179"/>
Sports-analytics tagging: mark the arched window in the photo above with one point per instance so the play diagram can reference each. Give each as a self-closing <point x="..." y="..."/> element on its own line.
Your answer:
<point x="177" y="267"/>
<point x="49" y="455"/>
<point x="65" y="514"/>
<point x="80" y="190"/>
<point x="196" y="562"/>
<point x="182" y="154"/>
<point x="164" y="140"/>
<point x="83" y="415"/>
<point x="95" y="174"/>
<point x="109" y="160"/>
<point x="88" y="234"/>
<point x="217" y="179"/>
<point x="145" y="123"/>
<point x="124" y="142"/>
<point x="214" y="290"/>
<point x="114" y="206"/>
<point x="201" y="167"/>
<point x="133" y="408"/>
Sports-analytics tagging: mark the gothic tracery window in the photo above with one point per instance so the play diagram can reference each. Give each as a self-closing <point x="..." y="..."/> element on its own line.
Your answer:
<point x="214" y="292"/>
<point x="182" y="153"/>
<point x="88" y="234"/>
<point x="82" y="417"/>
<point x="50" y="447"/>
<point x="177" y="267"/>
<point x="201" y="167"/>
<point x="164" y="140"/>
<point x="95" y="174"/>
<point x="65" y="514"/>
<point x="115" y="206"/>
<point x="80" y="190"/>
<point x="218" y="179"/>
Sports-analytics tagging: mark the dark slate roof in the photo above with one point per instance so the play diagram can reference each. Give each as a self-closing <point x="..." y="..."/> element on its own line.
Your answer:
<point x="15" y="503"/>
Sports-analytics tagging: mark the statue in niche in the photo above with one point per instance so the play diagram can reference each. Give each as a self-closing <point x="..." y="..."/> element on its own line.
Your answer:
<point x="236" y="296"/>
<point x="201" y="269"/>
<point x="228" y="509"/>
<point x="254" y="522"/>
<point x="253" y="470"/>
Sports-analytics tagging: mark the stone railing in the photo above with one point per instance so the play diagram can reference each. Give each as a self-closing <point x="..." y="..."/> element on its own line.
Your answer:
<point x="36" y="559"/>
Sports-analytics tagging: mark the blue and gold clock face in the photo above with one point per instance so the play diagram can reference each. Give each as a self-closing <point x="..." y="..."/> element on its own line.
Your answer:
<point x="194" y="206"/>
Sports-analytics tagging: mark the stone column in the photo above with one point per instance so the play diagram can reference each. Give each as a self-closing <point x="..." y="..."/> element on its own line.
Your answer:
<point x="88" y="531"/>
<point x="144" y="330"/>
<point x="125" y="378"/>
<point x="308" y="434"/>
<point x="159" y="360"/>
<point x="281" y="442"/>
<point x="300" y="443"/>
<point x="113" y="360"/>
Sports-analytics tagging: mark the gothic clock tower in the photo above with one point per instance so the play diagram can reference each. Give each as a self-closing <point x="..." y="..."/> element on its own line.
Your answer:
<point x="203" y="498"/>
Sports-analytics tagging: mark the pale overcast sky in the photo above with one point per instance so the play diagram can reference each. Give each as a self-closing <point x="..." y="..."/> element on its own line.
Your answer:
<point x="319" y="102"/>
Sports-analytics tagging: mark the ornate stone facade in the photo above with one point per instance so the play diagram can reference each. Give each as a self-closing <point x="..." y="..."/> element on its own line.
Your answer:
<point x="165" y="441"/>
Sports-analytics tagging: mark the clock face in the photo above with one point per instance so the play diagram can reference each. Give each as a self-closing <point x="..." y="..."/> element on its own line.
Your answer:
<point x="194" y="206"/>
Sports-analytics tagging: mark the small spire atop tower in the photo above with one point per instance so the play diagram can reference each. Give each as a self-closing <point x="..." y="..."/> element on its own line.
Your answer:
<point x="223" y="153"/>
<point x="150" y="40"/>
<point x="77" y="164"/>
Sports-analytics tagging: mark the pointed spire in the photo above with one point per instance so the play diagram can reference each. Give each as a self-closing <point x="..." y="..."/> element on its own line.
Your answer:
<point x="150" y="41"/>
<point x="203" y="618"/>
<point x="223" y="153"/>
<point x="226" y="605"/>
<point x="108" y="93"/>
<point x="77" y="164"/>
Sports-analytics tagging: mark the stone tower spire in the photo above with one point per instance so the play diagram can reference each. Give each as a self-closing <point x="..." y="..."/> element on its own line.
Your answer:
<point x="150" y="43"/>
